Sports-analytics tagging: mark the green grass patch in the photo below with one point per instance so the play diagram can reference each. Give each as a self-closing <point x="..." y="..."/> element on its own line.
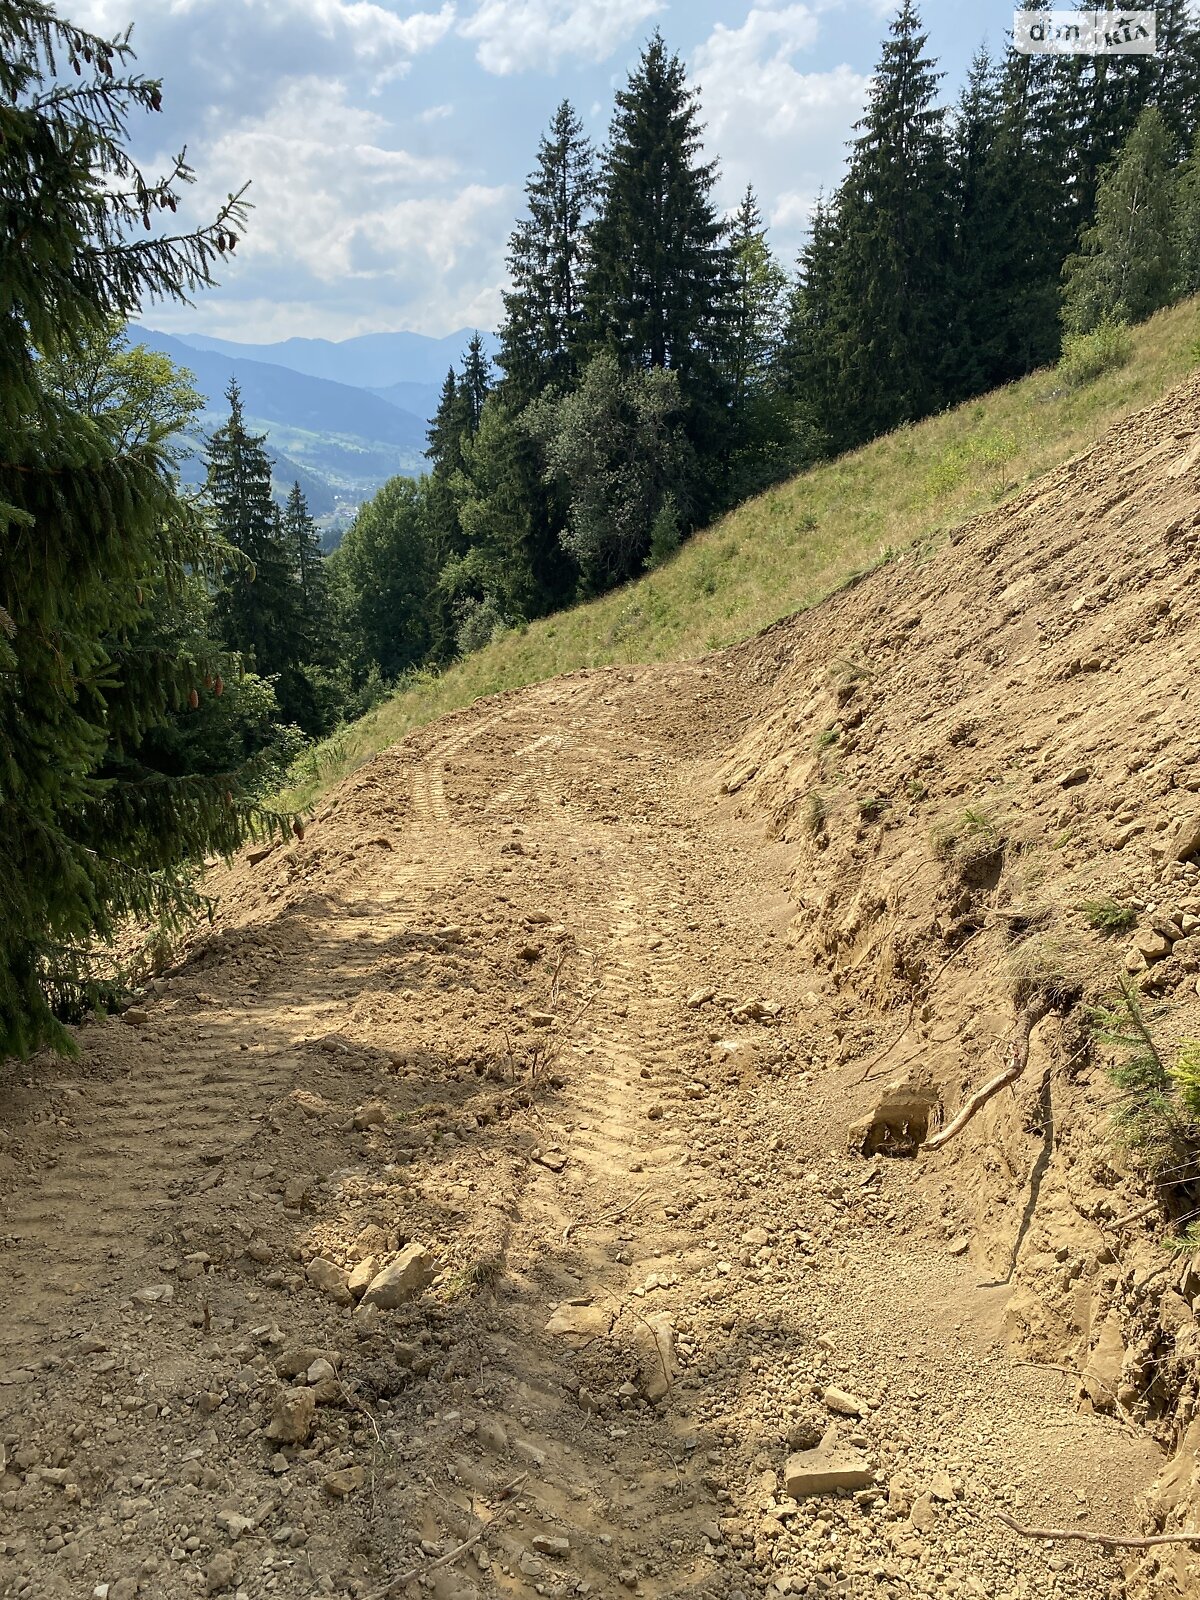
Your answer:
<point x="792" y="547"/>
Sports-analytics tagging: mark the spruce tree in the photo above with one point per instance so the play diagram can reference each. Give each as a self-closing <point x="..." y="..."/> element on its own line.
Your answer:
<point x="894" y="243"/>
<point x="258" y="605"/>
<point x="91" y="524"/>
<point x="758" y="305"/>
<point x="1030" y="183"/>
<point x="1126" y="267"/>
<point x="659" y="287"/>
<point x="314" y="638"/>
<point x="543" y="322"/>
<point x="474" y="386"/>
<point x="977" y="311"/>
<point x="1102" y="96"/>
<point x="772" y="435"/>
<point x="1176" y="84"/>
<point x="445" y="542"/>
<point x="441" y="448"/>
<point x="808" y="364"/>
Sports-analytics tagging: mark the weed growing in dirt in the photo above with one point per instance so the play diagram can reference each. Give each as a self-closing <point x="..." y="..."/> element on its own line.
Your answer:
<point x="843" y="670"/>
<point x="1108" y="916"/>
<point x="827" y="738"/>
<point x="816" y="812"/>
<point x="485" y="1274"/>
<point x="1040" y="970"/>
<point x="973" y="833"/>
<point x="872" y="808"/>
<point x="916" y="790"/>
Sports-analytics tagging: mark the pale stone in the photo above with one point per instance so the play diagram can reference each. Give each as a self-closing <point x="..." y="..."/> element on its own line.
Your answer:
<point x="401" y="1280"/>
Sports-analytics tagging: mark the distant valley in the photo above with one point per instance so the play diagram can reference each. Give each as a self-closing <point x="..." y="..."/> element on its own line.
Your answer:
<point x="341" y="417"/>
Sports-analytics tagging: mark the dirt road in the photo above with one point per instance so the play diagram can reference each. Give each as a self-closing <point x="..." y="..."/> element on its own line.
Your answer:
<point x="524" y="996"/>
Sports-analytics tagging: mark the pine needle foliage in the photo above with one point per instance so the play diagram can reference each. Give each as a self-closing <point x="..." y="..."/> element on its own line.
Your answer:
<point x="92" y="523"/>
<point x="543" y="323"/>
<point x="1157" y="1115"/>
<point x="1109" y="916"/>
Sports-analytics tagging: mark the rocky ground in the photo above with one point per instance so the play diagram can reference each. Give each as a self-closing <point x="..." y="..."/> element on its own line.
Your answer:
<point x="489" y="1204"/>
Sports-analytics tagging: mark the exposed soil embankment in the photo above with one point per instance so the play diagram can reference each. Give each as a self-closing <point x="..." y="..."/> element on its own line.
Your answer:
<point x="507" y="1196"/>
<point x="976" y="758"/>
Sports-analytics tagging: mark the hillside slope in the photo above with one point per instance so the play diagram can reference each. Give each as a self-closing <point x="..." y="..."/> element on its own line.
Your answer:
<point x="968" y="758"/>
<point x="794" y="545"/>
<point x="506" y="1193"/>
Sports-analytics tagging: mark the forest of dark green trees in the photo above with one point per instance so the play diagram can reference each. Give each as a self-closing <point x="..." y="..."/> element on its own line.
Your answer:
<point x="165" y="655"/>
<point x="658" y="364"/>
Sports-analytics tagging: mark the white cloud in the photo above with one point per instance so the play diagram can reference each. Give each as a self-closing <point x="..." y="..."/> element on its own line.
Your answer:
<point x="436" y="113"/>
<point x="372" y="28"/>
<point x="520" y="35"/>
<point x="236" y="47"/>
<point x="343" y="216"/>
<point x="775" y="125"/>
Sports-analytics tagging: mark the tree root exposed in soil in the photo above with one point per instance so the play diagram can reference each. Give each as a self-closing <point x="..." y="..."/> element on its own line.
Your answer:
<point x="1017" y="1062"/>
<point x="1109" y="1541"/>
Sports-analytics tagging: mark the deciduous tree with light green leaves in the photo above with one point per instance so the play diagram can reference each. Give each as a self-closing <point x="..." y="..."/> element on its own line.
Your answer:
<point x="1127" y="266"/>
<point x="618" y="449"/>
<point x="383" y="573"/>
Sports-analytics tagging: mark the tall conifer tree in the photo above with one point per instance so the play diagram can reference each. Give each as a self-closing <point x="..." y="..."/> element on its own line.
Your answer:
<point x="258" y="603"/>
<point x="302" y="545"/>
<point x="660" y="273"/>
<point x="543" y="325"/>
<point x="808" y="363"/>
<point x="92" y="524"/>
<point x="474" y="386"/>
<point x="758" y="304"/>
<point x="894" y="242"/>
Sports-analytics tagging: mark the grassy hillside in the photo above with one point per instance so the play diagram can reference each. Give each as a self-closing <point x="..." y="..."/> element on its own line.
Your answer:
<point x="791" y="547"/>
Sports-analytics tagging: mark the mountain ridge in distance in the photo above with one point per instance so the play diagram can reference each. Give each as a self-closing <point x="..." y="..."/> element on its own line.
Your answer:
<point x="366" y="361"/>
<point x="343" y="440"/>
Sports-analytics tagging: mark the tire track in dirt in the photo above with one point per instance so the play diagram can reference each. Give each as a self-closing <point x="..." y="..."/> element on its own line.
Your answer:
<point x="702" y="1176"/>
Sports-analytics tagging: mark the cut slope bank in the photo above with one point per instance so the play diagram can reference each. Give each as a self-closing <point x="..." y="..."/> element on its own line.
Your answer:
<point x="477" y="1202"/>
<point x="968" y="756"/>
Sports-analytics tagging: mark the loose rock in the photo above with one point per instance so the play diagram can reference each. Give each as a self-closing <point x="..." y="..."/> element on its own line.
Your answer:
<point x="408" y="1276"/>
<point x="329" y="1278"/>
<point x="293" y="1417"/>
<point x="830" y="1465"/>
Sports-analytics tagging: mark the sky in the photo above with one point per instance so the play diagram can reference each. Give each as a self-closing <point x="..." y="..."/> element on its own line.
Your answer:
<point x="387" y="142"/>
